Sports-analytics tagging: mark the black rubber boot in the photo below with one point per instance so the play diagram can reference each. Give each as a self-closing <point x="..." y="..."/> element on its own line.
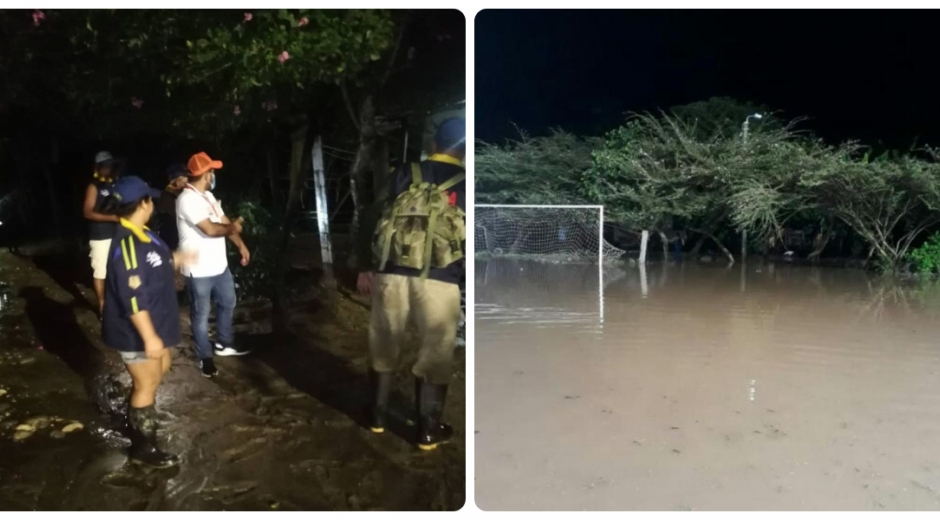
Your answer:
<point x="432" y="432"/>
<point x="380" y="385"/>
<point x="143" y="434"/>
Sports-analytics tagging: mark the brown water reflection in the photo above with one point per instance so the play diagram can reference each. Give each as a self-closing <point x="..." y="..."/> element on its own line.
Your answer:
<point x="700" y="387"/>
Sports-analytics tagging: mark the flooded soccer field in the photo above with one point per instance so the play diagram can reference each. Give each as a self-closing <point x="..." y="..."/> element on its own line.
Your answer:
<point x="700" y="387"/>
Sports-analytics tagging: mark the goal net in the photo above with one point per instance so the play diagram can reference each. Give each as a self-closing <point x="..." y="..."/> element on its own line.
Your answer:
<point x="553" y="233"/>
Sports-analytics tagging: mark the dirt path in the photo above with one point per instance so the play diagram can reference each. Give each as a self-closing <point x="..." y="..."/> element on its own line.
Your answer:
<point x="277" y="430"/>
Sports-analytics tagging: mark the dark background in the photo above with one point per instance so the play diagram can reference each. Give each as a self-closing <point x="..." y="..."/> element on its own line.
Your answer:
<point x="863" y="75"/>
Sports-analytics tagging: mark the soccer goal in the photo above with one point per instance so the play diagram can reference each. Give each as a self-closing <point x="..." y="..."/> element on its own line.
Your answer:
<point x="542" y="232"/>
<point x="557" y="234"/>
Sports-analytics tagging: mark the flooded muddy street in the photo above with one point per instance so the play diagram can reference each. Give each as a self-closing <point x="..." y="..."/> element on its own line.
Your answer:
<point x="277" y="430"/>
<point x="696" y="387"/>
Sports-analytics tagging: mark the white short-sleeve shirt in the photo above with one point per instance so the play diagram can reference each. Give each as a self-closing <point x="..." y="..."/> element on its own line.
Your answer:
<point x="192" y="207"/>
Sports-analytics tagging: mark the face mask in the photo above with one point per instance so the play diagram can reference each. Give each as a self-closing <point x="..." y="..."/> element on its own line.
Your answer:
<point x="212" y="183"/>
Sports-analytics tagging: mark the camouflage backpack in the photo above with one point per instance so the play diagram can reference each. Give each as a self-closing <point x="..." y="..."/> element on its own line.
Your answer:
<point x="421" y="229"/>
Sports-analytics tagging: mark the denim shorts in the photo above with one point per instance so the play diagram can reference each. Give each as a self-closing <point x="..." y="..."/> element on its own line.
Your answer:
<point x="132" y="358"/>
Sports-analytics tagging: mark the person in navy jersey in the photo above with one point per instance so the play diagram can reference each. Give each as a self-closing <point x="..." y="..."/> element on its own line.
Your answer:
<point x="141" y="317"/>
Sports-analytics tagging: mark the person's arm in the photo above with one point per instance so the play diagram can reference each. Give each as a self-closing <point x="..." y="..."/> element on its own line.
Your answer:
<point x="239" y="243"/>
<point x="214" y="229"/>
<point x="198" y="213"/>
<point x="153" y="344"/>
<point x="184" y="259"/>
<point x="91" y="196"/>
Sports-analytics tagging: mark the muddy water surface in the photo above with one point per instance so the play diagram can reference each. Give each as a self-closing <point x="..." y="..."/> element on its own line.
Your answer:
<point x="700" y="387"/>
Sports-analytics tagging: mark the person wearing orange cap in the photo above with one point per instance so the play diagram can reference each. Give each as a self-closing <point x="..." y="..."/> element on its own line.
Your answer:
<point x="203" y="228"/>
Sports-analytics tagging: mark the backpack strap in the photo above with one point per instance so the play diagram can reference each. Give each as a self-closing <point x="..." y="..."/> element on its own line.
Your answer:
<point x="386" y="247"/>
<point x="416" y="176"/>
<point x="449" y="183"/>
<point x="429" y="242"/>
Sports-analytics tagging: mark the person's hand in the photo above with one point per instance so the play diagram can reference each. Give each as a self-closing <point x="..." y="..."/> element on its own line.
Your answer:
<point x="246" y="255"/>
<point x="154" y="347"/>
<point x="185" y="258"/>
<point x="237" y="226"/>
<point x="364" y="283"/>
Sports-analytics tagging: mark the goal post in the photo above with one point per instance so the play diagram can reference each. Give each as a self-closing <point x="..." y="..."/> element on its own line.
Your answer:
<point x="542" y="231"/>
<point x="554" y="233"/>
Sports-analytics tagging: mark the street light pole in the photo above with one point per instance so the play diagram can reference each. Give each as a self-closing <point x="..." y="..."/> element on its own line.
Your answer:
<point x="744" y="130"/>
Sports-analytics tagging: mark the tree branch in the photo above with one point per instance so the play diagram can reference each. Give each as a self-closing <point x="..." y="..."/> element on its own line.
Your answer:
<point x="394" y="56"/>
<point x="349" y="106"/>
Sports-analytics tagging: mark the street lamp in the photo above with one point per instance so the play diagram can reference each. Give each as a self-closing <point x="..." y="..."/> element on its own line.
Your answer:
<point x="747" y="121"/>
<point x="744" y="129"/>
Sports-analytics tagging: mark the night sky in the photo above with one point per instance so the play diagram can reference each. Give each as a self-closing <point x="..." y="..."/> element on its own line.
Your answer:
<point x="866" y="75"/>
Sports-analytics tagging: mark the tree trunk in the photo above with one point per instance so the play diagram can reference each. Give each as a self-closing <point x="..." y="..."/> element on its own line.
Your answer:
<point x="820" y="242"/>
<point x="644" y="239"/>
<point x="298" y="146"/>
<point x="380" y="169"/>
<point x="706" y="232"/>
<point x="272" y="179"/>
<point x="662" y="236"/>
<point x="724" y="250"/>
<point x="698" y="244"/>
<point x="743" y="245"/>
<point x="364" y="154"/>
<point x="644" y="286"/>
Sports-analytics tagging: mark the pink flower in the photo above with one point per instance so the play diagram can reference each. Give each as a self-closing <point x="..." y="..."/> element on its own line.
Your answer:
<point x="38" y="16"/>
<point x="282" y="57"/>
<point x="303" y="21"/>
<point x="138" y="103"/>
<point x="248" y="17"/>
<point x="238" y="110"/>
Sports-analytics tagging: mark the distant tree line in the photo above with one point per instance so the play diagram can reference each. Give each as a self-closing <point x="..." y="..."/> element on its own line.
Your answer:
<point x="692" y="170"/>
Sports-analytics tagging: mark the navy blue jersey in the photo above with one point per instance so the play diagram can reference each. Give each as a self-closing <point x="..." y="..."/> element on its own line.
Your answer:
<point x="101" y="230"/>
<point x="140" y="278"/>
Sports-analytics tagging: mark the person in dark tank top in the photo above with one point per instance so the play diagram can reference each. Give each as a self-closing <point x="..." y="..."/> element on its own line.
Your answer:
<point x="101" y="226"/>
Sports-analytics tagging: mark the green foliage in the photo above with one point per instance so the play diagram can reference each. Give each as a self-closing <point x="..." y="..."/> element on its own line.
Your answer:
<point x="723" y="117"/>
<point x="191" y="72"/>
<point x="645" y="174"/>
<point x="286" y="47"/>
<point x="261" y="233"/>
<point x="888" y="202"/>
<point x="927" y="257"/>
<point x="533" y="170"/>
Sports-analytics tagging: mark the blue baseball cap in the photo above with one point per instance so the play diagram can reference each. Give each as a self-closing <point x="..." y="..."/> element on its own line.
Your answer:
<point x="130" y="189"/>
<point x="451" y="134"/>
<point x="177" y="170"/>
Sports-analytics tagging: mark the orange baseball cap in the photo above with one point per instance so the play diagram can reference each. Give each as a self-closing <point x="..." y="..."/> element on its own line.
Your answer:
<point x="201" y="163"/>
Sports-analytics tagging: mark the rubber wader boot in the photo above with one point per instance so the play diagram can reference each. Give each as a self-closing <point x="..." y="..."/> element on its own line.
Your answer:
<point x="380" y="386"/>
<point x="430" y="399"/>
<point x="143" y="434"/>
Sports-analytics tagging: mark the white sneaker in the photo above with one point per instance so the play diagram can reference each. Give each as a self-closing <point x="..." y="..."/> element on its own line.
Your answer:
<point x="228" y="351"/>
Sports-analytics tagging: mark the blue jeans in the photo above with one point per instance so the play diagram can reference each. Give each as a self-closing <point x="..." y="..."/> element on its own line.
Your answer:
<point x="201" y="293"/>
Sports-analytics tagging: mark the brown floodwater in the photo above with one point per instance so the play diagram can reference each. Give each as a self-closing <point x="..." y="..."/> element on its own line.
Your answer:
<point x="701" y="387"/>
